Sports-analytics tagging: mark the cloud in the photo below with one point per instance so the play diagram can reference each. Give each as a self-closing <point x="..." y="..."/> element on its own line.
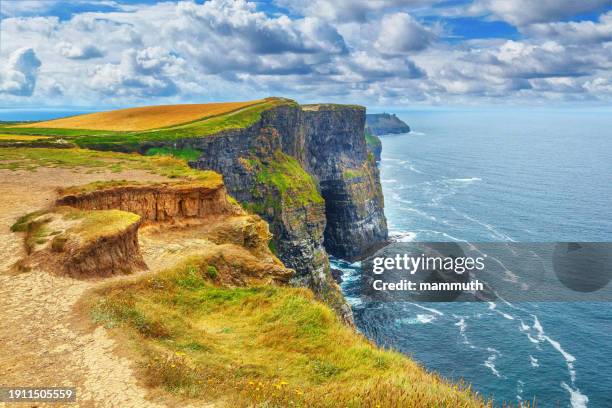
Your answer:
<point x="145" y="73"/>
<point x="232" y="37"/>
<point x="386" y="51"/>
<point x="402" y="34"/>
<point x="79" y="52"/>
<point x="350" y="10"/>
<point x="18" y="76"/>
<point x="524" y="12"/>
<point x="574" y="32"/>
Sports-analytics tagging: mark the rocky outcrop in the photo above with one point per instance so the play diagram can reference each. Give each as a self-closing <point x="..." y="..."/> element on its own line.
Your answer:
<point x="159" y="202"/>
<point x="385" y="124"/>
<point x="118" y="253"/>
<point x="82" y="244"/>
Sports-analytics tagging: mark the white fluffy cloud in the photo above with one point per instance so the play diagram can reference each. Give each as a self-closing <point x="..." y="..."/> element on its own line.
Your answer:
<point x="77" y="51"/>
<point x="387" y="51"/>
<point x="145" y="73"/>
<point x="523" y="12"/>
<point x="350" y="10"/>
<point x="18" y="76"/>
<point x="402" y="34"/>
<point x="578" y="32"/>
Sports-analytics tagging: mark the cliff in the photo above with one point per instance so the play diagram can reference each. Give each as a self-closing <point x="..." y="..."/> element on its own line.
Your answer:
<point x="306" y="170"/>
<point x="385" y="124"/>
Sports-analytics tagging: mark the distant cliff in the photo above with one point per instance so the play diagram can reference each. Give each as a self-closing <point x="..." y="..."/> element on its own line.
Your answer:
<point x="385" y="124"/>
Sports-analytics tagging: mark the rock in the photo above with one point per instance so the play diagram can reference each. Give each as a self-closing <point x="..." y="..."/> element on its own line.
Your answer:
<point x="385" y="124"/>
<point x="337" y="275"/>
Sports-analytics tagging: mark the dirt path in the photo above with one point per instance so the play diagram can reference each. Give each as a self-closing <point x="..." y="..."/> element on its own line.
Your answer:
<point x="40" y="345"/>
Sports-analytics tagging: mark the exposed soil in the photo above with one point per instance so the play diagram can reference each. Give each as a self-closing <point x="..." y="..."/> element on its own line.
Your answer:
<point x="43" y="343"/>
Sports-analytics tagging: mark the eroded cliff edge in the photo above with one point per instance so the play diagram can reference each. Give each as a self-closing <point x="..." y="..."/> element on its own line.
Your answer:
<point x="307" y="171"/>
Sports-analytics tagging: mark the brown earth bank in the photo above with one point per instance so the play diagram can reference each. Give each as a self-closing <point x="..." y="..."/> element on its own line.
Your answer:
<point x="47" y="340"/>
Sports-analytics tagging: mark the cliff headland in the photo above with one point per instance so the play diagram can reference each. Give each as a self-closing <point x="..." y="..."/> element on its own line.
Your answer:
<point x="196" y="242"/>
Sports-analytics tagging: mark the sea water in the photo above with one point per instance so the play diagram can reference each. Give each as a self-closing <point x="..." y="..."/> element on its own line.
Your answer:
<point x="490" y="176"/>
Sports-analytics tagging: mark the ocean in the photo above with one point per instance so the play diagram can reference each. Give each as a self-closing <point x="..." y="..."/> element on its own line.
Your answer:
<point x="500" y="176"/>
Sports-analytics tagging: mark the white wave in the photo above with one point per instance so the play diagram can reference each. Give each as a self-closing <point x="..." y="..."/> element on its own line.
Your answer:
<point x="467" y="180"/>
<point x="462" y="330"/>
<point x="429" y="309"/>
<point x="493" y="307"/>
<point x="537" y="326"/>
<point x="494" y="232"/>
<point x="403" y="236"/>
<point x="531" y="339"/>
<point x="444" y="234"/>
<point x="577" y="399"/>
<point x="519" y="390"/>
<point x="407" y="165"/>
<point x="494" y="351"/>
<point x="388" y="180"/>
<point x="415" y="133"/>
<point x="490" y="364"/>
<point x="354" y="301"/>
<point x="534" y="361"/>
<point x="523" y="327"/>
<point x="569" y="359"/>
<point x="419" y="319"/>
<point x="419" y="212"/>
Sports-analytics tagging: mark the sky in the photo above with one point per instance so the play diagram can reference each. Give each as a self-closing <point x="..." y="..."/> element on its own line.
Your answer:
<point x="476" y="53"/>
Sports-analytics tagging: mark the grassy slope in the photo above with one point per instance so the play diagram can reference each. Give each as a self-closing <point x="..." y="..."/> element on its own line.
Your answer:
<point x="258" y="346"/>
<point x="96" y="161"/>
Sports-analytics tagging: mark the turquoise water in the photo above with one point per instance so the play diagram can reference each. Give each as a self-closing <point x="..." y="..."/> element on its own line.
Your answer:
<point x="489" y="177"/>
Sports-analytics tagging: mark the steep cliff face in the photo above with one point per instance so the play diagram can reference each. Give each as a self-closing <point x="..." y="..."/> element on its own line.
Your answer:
<point x="306" y="170"/>
<point x="348" y="177"/>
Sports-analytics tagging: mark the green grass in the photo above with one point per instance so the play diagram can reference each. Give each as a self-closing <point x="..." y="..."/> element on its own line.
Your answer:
<point x="350" y="173"/>
<point x="62" y="224"/>
<point x="258" y="347"/>
<point x="286" y="174"/>
<point x="16" y="158"/>
<point x="372" y="141"/>
<point x="186" y="154"/>
<point x="131" y="141"/>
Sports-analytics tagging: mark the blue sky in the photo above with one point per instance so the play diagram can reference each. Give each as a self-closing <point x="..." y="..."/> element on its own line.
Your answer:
<point x="99" y="53"/>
